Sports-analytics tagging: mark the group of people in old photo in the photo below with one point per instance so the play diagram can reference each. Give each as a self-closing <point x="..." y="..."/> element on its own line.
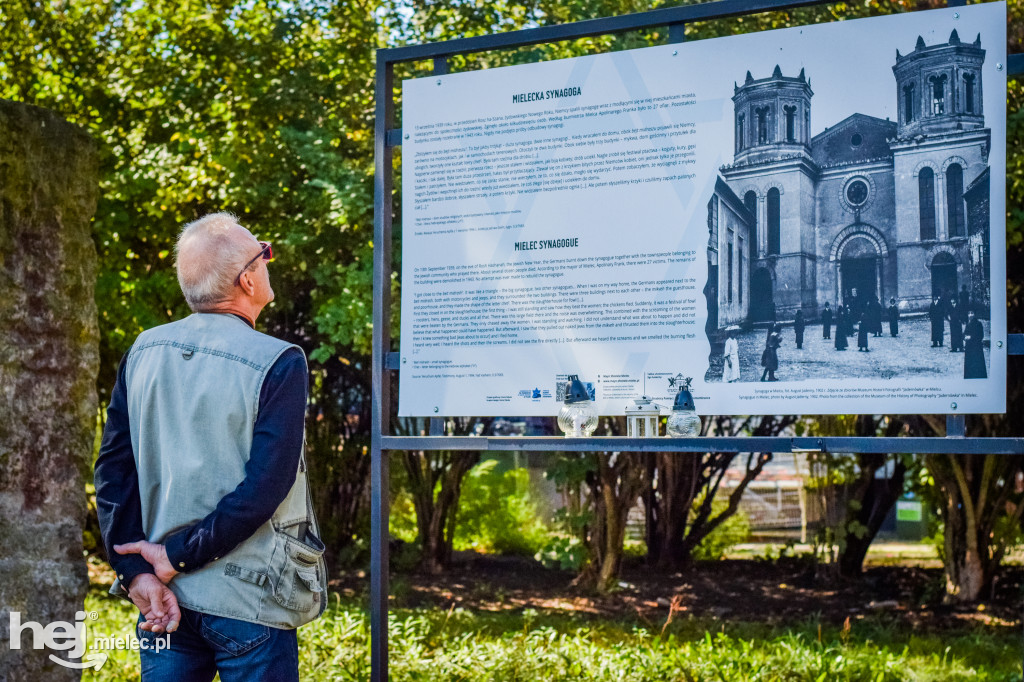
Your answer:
<point x="966" y="333"/>
<point x="864" y="321"/>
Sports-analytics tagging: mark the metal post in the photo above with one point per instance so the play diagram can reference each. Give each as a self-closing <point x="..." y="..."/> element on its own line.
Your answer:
<point x="380" y="399"/>
<point x="677" y="32"/>
<point x="802" y="494"/>
<point x="956" y="426"/>
<point x="1013" y="345"/>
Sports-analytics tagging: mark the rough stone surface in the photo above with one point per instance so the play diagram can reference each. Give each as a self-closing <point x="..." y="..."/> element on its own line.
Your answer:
<point x="48" y="361"/>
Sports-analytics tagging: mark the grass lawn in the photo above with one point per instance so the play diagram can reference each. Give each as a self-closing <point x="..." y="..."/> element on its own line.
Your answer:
<point x="529" y="644"/>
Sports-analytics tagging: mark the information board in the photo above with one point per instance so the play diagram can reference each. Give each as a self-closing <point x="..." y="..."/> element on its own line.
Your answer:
<point x="804" y="221"/>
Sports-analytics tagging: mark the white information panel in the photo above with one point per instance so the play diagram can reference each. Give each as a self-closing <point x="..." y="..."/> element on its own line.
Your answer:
<point x="804" y="221"/>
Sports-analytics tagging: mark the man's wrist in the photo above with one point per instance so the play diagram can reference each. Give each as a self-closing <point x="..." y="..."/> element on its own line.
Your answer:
<point x="177" y="554"/>
<point x="128" y="567"/>
<point x="130" y="583"/>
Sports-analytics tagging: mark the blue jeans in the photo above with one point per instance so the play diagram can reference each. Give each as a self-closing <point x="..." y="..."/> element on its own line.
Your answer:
<point x="204" y="645"/>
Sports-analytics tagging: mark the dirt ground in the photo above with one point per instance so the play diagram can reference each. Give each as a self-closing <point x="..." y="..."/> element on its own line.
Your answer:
<point x="752" y="590"/>
<point x="787" y="590"/>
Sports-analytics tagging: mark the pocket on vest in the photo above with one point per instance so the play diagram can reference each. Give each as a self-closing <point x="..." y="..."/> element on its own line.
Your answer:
<point x="298" y="583"/>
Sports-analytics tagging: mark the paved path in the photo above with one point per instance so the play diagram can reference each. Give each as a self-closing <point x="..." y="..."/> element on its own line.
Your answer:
<point x="908" y="355"/>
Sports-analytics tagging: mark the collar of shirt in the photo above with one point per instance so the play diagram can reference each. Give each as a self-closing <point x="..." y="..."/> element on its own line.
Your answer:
<point x="244" y="319"/>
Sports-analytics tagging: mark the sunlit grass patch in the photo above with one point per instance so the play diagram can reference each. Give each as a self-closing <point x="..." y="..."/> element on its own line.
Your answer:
<point x="464" y="645"/>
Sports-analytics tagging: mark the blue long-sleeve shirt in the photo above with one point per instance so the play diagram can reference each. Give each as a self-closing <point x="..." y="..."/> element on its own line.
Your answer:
<point x="269" y="475"/>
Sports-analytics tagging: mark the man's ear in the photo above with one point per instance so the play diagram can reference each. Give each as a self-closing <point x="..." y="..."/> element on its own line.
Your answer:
<point x="245" y="281"/>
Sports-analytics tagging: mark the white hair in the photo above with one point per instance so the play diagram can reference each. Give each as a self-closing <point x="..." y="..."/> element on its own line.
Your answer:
<point x="209" y="256"/>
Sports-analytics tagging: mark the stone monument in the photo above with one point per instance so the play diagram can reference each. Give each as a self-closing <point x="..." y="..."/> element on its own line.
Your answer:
<point x="48" y="362"/>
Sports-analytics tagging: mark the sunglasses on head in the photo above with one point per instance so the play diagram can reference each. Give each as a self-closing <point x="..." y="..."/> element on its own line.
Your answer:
<point x="266" y="253"/>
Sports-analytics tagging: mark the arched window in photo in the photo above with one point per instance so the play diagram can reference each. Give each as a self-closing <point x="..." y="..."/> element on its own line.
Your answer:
<point x="750" y="202"/>
<point x="938" y="87"/>
<point x="728" y="262"/>
<point x="790" y="123"/>
<point x="774" y="222"/>
<point x="955" y="199"/>
<point x="762" y="125"/>
<point x="926" y="202"/>
<point x="908" y="103"/>
<point x="739" y="278"/>
<point x="969" y="93"/>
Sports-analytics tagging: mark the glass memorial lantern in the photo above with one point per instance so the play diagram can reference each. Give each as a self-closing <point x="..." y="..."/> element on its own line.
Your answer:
<point x="578" y="416"/>
<point x="642" y="419"/>
<point x="684" y="422"/>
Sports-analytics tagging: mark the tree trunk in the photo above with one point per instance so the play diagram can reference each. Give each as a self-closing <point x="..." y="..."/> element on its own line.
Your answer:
<point x="620" y="487"/>
<point x="49" y="349"/>
<point x="677" y="478"/>
<point x="435" y="480"/>
<point x="435" y="554"/>
<point x="681" y="491"/>
<point x="976" y="491"/>
<point x="965" y="572"/>
<point x="875" y="497"/>
<point x="614" y="487"/>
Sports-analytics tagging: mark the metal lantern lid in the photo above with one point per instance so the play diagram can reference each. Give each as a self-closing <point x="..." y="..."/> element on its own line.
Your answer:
<point x="575" y="391"/>
<point x="684" y="399"/>
<point x="642" y="407"/>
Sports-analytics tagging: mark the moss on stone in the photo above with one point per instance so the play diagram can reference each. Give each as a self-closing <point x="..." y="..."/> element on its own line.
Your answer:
<point x="49" y="354"/>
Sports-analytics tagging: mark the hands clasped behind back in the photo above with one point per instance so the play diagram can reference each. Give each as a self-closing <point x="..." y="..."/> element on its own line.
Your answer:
<point x="149" y="591"/>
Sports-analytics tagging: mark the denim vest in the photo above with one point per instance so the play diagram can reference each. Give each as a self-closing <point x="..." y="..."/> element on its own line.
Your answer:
<point x="193" y="394"/>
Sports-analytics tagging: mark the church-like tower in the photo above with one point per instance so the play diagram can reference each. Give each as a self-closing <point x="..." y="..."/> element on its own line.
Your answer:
<point x="773" y="170"/>
<point x="941" y="147"/>
<point x="772" y="116"/>
<point x="938" y="87"/>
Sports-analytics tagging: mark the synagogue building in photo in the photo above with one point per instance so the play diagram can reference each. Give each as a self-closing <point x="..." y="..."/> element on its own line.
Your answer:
<point x="868" y="208"/>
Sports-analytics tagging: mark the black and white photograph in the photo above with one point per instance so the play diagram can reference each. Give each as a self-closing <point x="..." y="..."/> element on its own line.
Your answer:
<point x="849" y="238"/>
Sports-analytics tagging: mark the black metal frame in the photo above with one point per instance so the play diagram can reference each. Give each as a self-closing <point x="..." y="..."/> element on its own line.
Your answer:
<point x="386" y="138"/>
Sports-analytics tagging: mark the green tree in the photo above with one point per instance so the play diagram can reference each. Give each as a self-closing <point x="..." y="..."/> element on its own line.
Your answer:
<point x="599" y="489"/>
<point x="260" y="108"/>
<point x="435" y="484"/>
<point x="871" y="483"/>
<point x="682" y="495"/>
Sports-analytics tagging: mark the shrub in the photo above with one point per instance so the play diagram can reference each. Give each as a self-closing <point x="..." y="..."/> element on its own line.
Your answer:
<point x="498" y="513"/>
<point x="734" y="530"/>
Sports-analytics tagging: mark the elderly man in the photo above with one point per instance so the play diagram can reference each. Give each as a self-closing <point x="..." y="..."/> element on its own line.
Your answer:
<point x="201" y="478"/>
